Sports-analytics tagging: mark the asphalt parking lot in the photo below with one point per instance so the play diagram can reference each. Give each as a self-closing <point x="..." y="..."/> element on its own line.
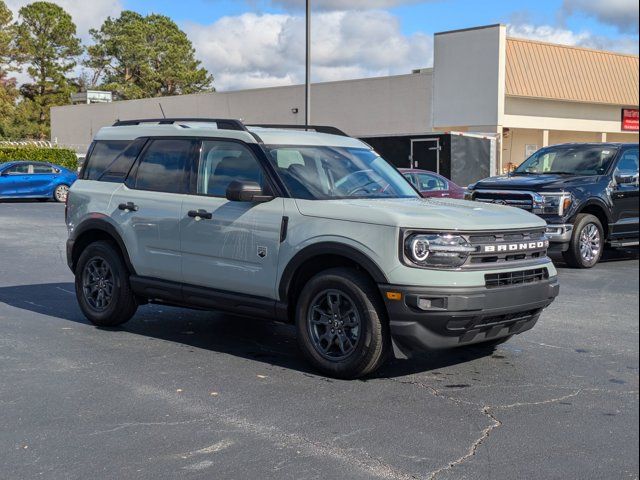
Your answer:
<point x="184" y="394"/>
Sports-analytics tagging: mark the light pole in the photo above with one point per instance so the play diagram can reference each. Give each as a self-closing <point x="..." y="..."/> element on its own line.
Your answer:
<point x="307" y="86"/>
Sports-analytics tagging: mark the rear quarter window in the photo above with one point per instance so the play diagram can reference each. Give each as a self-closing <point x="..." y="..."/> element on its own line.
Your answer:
<point x="102" y="154"/>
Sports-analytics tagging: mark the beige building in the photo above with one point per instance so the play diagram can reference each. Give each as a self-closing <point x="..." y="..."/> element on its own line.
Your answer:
<point x="529" y="94"/>
<point x="532" y="93"/>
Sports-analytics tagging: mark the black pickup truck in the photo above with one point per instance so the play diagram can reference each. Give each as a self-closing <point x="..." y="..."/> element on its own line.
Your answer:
<point x="587" y="193"/>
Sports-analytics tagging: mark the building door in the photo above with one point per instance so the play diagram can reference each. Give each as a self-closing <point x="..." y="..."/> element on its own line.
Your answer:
<point x="425" y="154"/>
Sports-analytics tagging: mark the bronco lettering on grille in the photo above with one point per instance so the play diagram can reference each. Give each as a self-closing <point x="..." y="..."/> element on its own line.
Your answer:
<point x="516" y="247"/>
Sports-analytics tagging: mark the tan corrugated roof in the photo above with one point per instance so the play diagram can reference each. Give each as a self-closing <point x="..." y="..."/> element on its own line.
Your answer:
<point x="559" y="72"/>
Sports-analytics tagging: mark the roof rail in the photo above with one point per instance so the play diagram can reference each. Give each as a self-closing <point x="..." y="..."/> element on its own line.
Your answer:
<point x="222" y="123"/>
<point x="309" y="128"/>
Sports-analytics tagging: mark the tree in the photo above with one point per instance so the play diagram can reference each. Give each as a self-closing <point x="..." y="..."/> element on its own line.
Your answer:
<point x="8" y="90"/>
<point x="46" y="41"/>
<point x="140" y="57"/>
<point x="6" y="36"/>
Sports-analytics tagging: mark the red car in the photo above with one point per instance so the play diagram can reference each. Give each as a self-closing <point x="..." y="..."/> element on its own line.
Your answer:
<point x="431" y="184"/>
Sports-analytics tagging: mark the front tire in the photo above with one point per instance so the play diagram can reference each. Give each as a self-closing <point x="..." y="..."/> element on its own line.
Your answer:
<point x="587" y="242"/>
<point x="102" y="286"/>
<point x="341" y="324"/>
<point x="60" y="193"/>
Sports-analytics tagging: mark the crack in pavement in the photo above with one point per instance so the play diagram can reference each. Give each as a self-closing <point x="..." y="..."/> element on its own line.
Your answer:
<point x="486" y="410"/>
<point x="474" y="446"/>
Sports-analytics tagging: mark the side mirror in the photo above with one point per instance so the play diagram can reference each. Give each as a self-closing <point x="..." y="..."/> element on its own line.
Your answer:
<point x="247" y="192"/>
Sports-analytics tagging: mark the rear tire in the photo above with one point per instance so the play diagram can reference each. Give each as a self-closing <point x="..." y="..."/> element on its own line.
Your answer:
<point x="102" y="286"/>
<point x="587" y="242"/>
<point x="341" y="324"/>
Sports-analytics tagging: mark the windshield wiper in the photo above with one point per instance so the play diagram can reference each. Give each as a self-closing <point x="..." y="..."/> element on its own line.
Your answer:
<point x="560" y="173"/>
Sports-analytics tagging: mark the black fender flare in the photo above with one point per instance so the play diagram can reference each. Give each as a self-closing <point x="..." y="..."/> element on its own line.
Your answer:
<point x="327" y="248"/>
<point x="102" y="224"/>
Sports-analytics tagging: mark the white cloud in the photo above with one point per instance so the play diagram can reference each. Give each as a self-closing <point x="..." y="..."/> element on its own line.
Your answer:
<point x="85" y="13"/>
<point x="622" y="14"/>
<point x="548" y="33"/>
<point x="254" y="50"/>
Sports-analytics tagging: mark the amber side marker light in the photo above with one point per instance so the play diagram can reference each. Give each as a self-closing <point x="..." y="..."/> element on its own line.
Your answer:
<point x="394" y="295"/>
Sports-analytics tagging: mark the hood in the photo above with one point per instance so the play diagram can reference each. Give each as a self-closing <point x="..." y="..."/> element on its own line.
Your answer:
<point x="422" y="213"/>
<point x="534" y="182"/>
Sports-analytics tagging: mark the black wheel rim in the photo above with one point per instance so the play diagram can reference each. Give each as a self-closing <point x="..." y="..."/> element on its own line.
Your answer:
<point x="97" y="283"/>
<point x="334" y="325"/>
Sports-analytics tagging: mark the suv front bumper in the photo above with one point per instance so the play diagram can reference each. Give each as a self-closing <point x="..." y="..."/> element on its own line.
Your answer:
<point x="427" y="318"/>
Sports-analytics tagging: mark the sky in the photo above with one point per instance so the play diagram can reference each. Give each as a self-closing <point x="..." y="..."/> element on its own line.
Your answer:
<point x="259" y="43"/>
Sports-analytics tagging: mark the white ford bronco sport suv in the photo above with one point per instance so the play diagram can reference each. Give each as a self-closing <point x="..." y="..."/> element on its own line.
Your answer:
<point x="304" y="227"/>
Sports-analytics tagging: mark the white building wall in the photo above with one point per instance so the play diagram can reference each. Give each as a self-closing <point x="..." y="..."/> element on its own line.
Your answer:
<point x="374" y="106"/>
<point x="469" y="78"/>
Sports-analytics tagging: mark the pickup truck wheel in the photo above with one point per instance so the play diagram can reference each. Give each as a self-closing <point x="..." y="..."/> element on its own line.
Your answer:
<point x="341" y="324"/>
<point x="587" y="242"/>
<point x="102" y="286"/>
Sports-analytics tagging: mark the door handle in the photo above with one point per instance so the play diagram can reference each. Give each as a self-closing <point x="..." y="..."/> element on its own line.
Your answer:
<point x="200" y="215"/>
<point x="128" y="207"/>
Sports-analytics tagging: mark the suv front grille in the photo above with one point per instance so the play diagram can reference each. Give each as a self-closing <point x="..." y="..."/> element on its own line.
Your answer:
<point x="506" y="247"/>
<point x="496" y="280"/>
<point x="523" y="200"/>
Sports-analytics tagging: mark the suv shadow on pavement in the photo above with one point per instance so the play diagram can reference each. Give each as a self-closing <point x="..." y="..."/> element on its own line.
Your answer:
<point x="252" y="339"/>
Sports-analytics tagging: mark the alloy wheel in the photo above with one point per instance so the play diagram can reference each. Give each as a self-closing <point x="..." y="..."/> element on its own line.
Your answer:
<point x="590" y="243"/>
<point x="61" y="193"/>
<point x="98" y="284"/>
<point x="334" y="325"/>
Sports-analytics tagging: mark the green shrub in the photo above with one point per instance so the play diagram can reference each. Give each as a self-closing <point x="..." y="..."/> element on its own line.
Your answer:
<point x="59" y="156"/>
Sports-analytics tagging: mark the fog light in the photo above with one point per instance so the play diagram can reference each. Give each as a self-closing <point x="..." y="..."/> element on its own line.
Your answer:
<point x="424" y="304"/>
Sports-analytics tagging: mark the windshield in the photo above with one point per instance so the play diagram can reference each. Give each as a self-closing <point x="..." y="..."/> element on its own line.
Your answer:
<point x="569" y="160"/>
<point x="324" y="173"/>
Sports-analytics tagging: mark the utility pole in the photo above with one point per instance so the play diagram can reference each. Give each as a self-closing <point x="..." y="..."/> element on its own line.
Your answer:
<point x="307" y="86"/>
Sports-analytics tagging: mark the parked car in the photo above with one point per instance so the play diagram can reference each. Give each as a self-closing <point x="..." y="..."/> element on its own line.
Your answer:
<point x="586" y="192"/>
<point x="432" y="185"/>
<point x="35" y="180"/>
<point x="276" y="223"/>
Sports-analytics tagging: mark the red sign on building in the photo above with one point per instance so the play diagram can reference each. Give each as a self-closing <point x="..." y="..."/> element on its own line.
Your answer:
<point x="630" y="119"/>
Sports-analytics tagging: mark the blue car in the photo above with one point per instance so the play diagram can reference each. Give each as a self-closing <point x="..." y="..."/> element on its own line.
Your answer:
<point x="35" y="180"/>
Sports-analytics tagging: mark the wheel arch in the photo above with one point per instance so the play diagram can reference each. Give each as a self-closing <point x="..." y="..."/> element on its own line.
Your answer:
<point x="93" y="230"/>
<point x="317" y="258"/>
<point x="599" y="210"/>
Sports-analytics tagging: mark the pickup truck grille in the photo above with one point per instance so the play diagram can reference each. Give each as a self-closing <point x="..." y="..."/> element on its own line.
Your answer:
<point x="506" y="279"/>
<point x="523" y="200"/>
<point x="495" y="249"/>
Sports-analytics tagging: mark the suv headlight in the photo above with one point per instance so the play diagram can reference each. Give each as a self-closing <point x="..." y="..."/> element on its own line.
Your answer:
<point x="437" y="250"/>
<point x="552" y="203"/>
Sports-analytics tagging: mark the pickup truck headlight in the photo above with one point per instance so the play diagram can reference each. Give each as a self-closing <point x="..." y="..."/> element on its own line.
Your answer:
<point x="437" y="250"/>
<point x="552" y="203"/>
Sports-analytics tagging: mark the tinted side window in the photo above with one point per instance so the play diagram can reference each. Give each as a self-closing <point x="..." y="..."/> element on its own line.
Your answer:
<point x="163" y="166"/>
<point x="118" y="170"/>
<point x="102" y="155"/>
<point x="628" y="164"/>
<point x="429" y="183"/>
<point x="39" y="168"/>
<point x="223" y="162"/>
<point x="19" y="169"/>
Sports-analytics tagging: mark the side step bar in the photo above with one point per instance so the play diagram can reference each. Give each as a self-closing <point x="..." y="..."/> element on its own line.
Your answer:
<point x="624" y="243"/>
